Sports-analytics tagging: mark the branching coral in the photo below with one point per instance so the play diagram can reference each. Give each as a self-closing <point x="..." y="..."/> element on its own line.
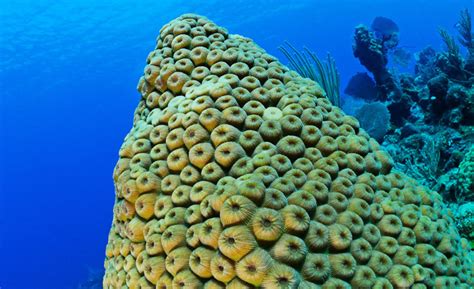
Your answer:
<point x="452" y="63"/>
<point x="308" y="64"/>
<point x="450" y="42"/>
<point x="464" y="27"/>
<point x="288" y="192"/>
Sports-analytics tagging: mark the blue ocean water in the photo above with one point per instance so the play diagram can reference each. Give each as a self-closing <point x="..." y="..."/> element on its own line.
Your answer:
<point x="68" y="73"/>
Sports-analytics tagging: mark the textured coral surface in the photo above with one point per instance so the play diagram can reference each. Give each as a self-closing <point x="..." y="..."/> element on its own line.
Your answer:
<point x="238" y="173"/>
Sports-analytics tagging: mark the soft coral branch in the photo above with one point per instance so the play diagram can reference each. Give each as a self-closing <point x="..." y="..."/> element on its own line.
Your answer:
<point x="464" y="27"/>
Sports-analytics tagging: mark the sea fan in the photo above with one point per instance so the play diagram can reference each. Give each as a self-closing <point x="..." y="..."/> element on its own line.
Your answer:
<point x="374" y="118"/>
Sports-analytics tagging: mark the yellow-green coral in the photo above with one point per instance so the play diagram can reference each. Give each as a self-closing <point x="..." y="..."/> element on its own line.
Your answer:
<point x="239" y="173"/>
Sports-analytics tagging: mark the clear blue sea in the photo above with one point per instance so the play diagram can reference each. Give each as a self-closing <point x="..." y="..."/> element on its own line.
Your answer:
<point x="68" y="76"/>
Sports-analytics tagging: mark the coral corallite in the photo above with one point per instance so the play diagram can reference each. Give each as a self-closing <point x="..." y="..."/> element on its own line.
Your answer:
<point x="239" y="173"/>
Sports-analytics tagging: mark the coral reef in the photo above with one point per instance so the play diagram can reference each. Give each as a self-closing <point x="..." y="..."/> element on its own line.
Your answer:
<point x="386" y="30"/>
<point x="361" y="86"/>
<point x="401" y="56"/>
<point x="374" y="117"/>
<point x="442" y="90"/>
<point x="372" y="52"/>
<point x="239" y="173"/>
<point x="464" y="219"/>
<point x="466" y="175"/>
<point x="431" y="111"/>
<point x="432" y="157"/>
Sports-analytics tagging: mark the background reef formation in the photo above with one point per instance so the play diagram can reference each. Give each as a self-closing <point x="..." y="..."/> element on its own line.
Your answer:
<point x="429" y="131"/>
<point x="239" y="173"/>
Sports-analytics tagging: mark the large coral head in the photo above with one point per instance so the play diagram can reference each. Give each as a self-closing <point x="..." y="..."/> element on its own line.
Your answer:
<point x="239" y="173"/>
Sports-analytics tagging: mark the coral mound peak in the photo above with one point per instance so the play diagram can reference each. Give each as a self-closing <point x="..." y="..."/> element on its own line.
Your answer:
<point x="239" y="173"/>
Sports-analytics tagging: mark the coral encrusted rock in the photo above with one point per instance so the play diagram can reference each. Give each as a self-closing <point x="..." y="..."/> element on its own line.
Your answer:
<point x="238" y="173"/>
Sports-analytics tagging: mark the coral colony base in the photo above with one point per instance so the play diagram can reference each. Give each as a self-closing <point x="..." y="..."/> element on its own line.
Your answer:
<point x="239" y="173"/>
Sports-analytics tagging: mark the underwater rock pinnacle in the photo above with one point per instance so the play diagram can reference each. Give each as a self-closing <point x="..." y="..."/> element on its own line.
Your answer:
<point x="239" y="173"/>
